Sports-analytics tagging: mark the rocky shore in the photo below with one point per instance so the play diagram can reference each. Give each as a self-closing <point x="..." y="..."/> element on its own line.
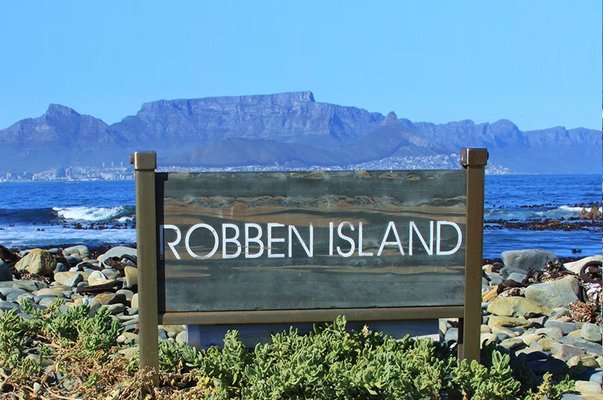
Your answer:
<point x="542" y="312"/>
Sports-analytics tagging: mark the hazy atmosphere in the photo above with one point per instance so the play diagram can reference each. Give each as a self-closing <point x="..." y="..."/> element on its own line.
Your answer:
<point x="536" y="63"/>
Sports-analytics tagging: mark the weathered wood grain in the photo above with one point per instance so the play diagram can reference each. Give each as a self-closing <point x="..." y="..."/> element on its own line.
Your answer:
<point x="326" y="280"/>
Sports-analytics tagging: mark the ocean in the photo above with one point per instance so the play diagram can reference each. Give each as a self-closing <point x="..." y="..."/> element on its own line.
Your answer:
<point x="102" y="212"/>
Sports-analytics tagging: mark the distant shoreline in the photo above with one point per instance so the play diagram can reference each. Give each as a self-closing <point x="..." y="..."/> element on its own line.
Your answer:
<point x="255" y="168"/>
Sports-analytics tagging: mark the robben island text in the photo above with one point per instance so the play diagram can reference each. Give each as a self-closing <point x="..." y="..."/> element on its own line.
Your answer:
<point x="345" y="239"/>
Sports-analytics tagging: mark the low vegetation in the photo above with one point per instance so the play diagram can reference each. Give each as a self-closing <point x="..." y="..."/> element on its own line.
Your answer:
<point x="64" y="352"/>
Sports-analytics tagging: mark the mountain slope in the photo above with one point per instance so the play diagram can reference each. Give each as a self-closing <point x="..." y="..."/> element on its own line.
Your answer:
<point x="61" y="137"/>
<point x="286" y="129"/>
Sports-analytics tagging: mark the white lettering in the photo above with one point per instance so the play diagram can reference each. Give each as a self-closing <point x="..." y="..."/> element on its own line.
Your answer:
<point x="361" y="252"/>
<point x="346" y="238"/>
<point x="390" y="227"/>
<point x="172" y="245"/>
<point x="188" y="238"/>
<point x="309" y="250"/>
<point x="234" y="240"/>
<point x="272" y="240"/>
<point x="256" y="239"/>
<point x="413" y="227"/>
<point x="439" y="251"/>
<point x="330" y="238"/>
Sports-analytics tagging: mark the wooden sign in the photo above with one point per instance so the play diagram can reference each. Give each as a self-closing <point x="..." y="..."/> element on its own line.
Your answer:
<point x="315" y="240"/>
<point x="253" y="247"/>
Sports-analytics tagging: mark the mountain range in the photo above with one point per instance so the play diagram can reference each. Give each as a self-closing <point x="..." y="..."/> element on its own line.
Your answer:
<point x="289" y="130"/>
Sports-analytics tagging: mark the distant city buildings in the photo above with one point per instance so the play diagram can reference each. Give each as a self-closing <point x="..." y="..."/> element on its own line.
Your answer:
<point x="114" y="173"/>
<point x="71" y="174"/>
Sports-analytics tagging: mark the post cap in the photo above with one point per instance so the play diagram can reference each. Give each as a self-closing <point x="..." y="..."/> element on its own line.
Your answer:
<point x="144" y="160"/>
<point x="474" y="157"/>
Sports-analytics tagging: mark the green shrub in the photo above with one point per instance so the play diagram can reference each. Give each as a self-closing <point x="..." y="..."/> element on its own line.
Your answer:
<point x="331" y="362"/>
<point x="334" y="363"/>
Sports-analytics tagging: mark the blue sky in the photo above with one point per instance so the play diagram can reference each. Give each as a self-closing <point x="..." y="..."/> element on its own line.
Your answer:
<point x="537" y="62"/>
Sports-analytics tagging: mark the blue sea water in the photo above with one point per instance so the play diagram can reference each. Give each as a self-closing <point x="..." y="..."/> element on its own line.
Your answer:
<point x="61" y="213"/>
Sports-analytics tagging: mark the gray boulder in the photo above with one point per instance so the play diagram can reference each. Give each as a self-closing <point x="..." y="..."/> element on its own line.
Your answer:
<point x="79" y="251"/>
<point x="553" y="294"/>
<point x="38" y="262"/>
<point x="118" y="251"/>
<point x="523" y="260"/>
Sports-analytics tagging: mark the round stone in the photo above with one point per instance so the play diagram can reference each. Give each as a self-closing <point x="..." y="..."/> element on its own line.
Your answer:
<point x="37" y="262"/>
<point x="591" y="332"/>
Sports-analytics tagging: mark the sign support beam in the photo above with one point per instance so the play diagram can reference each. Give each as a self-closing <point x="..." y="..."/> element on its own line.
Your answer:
<point x="474" y="160"/>
<point x="146" y="233"/>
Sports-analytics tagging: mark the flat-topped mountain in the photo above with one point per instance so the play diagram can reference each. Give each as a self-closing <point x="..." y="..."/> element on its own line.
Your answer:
<point x="286" y="129"/>
<point x="281" y="117"/>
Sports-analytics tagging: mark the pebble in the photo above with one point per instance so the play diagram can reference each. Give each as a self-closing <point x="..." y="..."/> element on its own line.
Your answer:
<point x="131" y="274"/>
<point x="58" y="291"/>
<point x="451" y="335"/>
<point x="588" y="387"/>
<point x="560" y="312"/>
<point x="496" y="320"/>
<point x="11" y="293"/>
<point x="565" y="327"/>
<point x="591" y="332"/>
<point x="530" y="338"/>
<point x="597" y="377"/>
<point x="182" y="337"/>
<point x="118" y="252"/>
<point x="584" y="360"/>
<point x="7" y="305"/>
<point x="552" y="294"/>
<point x="30" y="285"/>
<point x="97" y="278"/>
<point x="111" y="274"/>
<point x="134" y="301"/>
<point x="69" y="278"/>
<point x="110" y="298"/>
<point x="127" y="338"/>
<point x="37" y="387"/>
<point x="575" y="266"/>
<point x="73" y="260"/>
<point x="116" y="308"/>
<point x="5" y="271"/>
<point x="590" y="347"/>
<point x="128" y="293"/>
<point x="60" y="268"/>
<point x="79" y="251"/>
<point x="129" y="352"/>
<point x="517" y="277"/>
<point x="565" y="351"/>
<point x="513" y="343"/>
<point x="38" y="262"/>
<point x="501" y="330"/>
<point x="552" y="332"/>
<point x="47" y="301"/>
<point x="517" y="306"/>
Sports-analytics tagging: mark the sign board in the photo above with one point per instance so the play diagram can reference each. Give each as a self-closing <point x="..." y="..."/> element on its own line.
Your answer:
<point x="252" y="247"/>
<point x="312" y="240"/>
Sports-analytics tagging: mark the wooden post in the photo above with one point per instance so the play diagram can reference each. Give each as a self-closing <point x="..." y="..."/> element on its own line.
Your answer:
<point x="474" y="160"/>
<point x="146" y="229"/>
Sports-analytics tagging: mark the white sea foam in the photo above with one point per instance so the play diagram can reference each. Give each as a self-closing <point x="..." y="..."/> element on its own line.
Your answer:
<point x="534" y="213"/>
<point x="89" y="214"/>
<point x="55" y="235"/>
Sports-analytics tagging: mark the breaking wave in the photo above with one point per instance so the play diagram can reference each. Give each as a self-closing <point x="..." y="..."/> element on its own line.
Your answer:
<point x="96" y="214"/>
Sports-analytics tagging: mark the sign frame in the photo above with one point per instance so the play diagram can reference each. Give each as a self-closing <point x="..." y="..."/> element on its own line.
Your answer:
<point x="473" y="160"/>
